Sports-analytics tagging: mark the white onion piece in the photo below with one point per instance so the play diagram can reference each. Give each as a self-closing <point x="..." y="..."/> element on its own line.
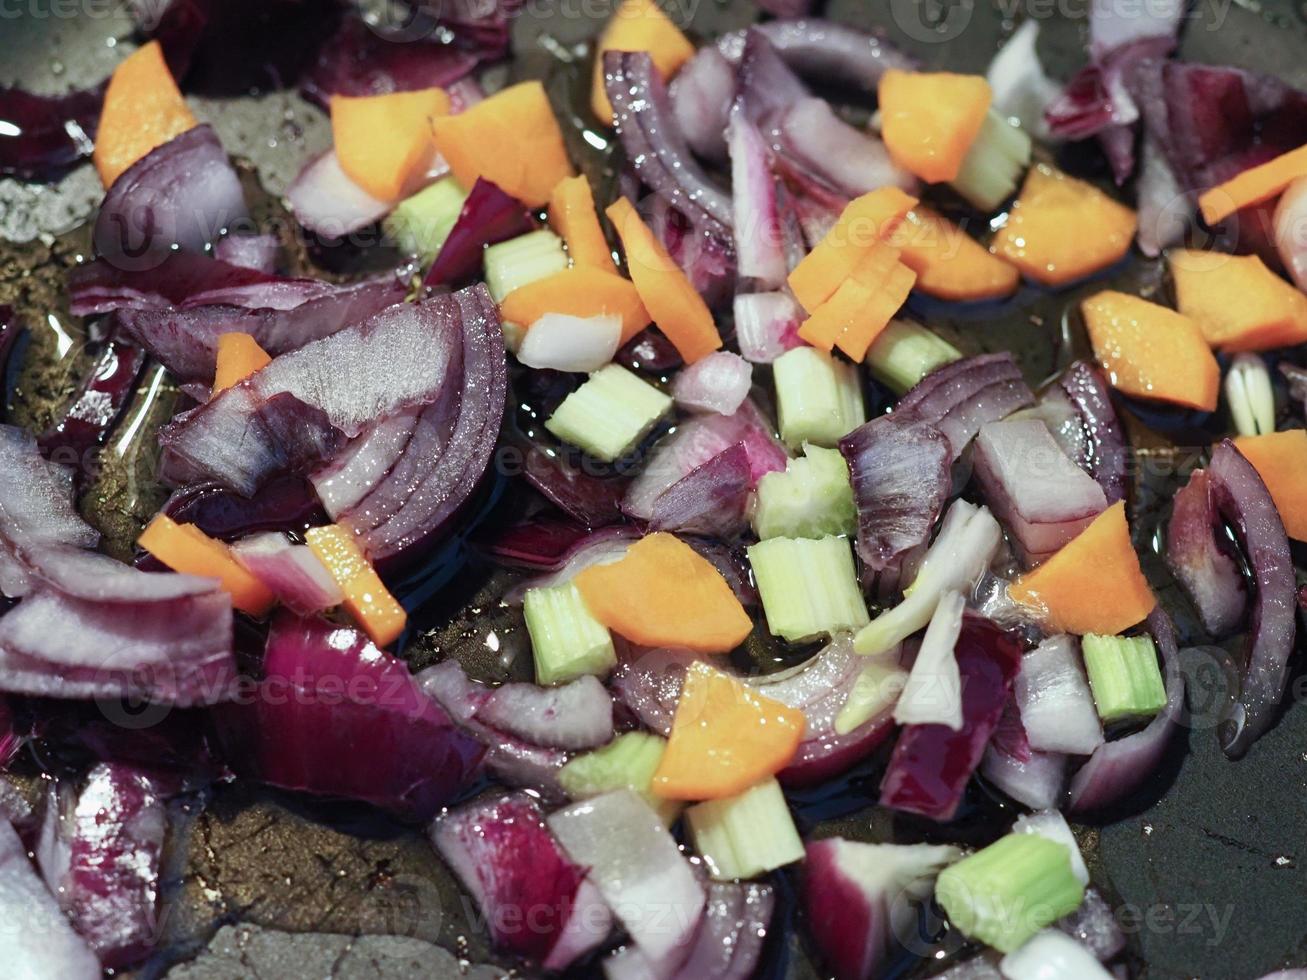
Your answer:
<point x="717" y="383"/>
<point x="1057" y="706"/>
<point x="571" y="343"/>
<point x="639" y="870"/>
<point x="1038" y="783"/>
<point x="577" y="715"/>
<point x="1291" y="230"/>
<point x="325" y="200"/>
<point x="1021" y="89"/>
<point x="293" y="572"/>
<point x="1052" y="825"/>
<point x="766" y="325"/>
<point x="855" y="161"/>
<point x="933" y="693"/>
<point x="1052" y="955"/>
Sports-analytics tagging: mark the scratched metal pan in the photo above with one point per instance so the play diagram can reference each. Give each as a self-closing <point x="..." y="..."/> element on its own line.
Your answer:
<point x="1207" y="870"/>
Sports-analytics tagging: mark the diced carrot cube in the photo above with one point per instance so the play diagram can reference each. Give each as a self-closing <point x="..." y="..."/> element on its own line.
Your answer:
<point x="930" y="119"/>
<point x="572" y="214"/>
<point x="582" y="291"/>
<point x="383" y="142"/>
<point x="949" y="263"/>
<point x="638" y="25"/>
<point x="1280" y="459"/>
<point x="143" y="108"/>
<point x="1253" y="186"/>
<point x="239" y="356"/>
<point x="1238" y="303"/>
<point x="185" y="548"/>
<point x="367" y="599"/>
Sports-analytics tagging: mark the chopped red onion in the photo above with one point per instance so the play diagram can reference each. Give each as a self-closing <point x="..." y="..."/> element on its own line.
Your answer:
<point x="1035" y="779"/>
<point x="173" y="279"/>
<point x="535" y="901"/>
<point x="489" y="215"/>
<point x="850" y="160"/>
<point x="577" y="715"/>
<point x="704" y="252"/>
<point x="759" y="242"/>
<point x="729" y="943"/>
<point x="328" y="203"/>
<point x="39" y="940"/>
<point x="42" y="136"/>
<point x="570" y="343"/>
<point x="1087" y="427"/>
<point x="648" y="682"/>
<point x="717" y="383"/>
<point x="701" y="95"/>
<point x="766" y="325"/>
<point x="1052" y="955"/>
<point x="1056" y="704"/>
<point x="960" y="397"/>
<point x="649" y="352"/>
<point x="593" y="500"/>
<point x="932" y="694"/>
<point x="826" y="51"/>
<point x="258" y="252"/>
<point x="559" y="549"/>
<point x="1021" y="90"/>
<point x="712" y="499"/>
<point x="287" y="504"/>
<point x="292" y="572"/>
<point x="1291" y="230"/>
<point x="1095" y="927"/>
<point x="640" y="872"/>
<point x="1202" y="561"/>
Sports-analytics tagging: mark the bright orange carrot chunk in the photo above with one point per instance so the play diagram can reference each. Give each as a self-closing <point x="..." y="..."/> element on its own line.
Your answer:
<point x="862" y="228"/>
<point x="239" y="356"/>
<point x="185" y="548"/>
<point x="582" y="291"/>
<point x="1061" y="229"/>
<point x="1150" y="351"/>
<point x="831" y="318"/>
<point x="1280" y="459"/>
<point x="638" y="25"/>
<point x="1094" y="584"/>
<point x="1238" y="303"/>
<point x="949" y="263"/>
<point x="511" y="139"/>
<point x="572" y="214"/>
<point x="1253" y="186"/>
<point x="674" y="304"/>
<point x="886" y="300"/>
<point x="384" y="142"/>
<point x="725" y="738"/>
<point x="662" y="593"/>
<point x="369" y="602"/>
<point x="930" y="119"/>
<point x="143" y="108"/>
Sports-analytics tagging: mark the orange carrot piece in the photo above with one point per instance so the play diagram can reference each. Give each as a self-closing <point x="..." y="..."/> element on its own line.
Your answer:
<point x="1150" y="351"/>
<point x="674" y="304"/>
<point x="1280" y="459"/>
<point x="239" y="356"/>
<point x="581" y="291"/>
<point x="572" y="214"/>
<point x="1253" y="186"/>
<point x="949" y="263"/>
<point x="863" y="227"/>
<point x="829" y="320"/>
<point x="1061" y="229"/>
<point x="185" y="548"/>
<point x="725" y="738"/>
<point x="638" y="25"/>
<point x="663" y="593"/>
<point x="930" y="119"/>
<point x="511" y="139"/>
<point x="1094" y="584"/>
<point x="143" y="108"/>
<point x="1238" y="303"/>
<point x="384" y="142"/>
<point x="886" y="300"/>
<point x="368" y="600"/>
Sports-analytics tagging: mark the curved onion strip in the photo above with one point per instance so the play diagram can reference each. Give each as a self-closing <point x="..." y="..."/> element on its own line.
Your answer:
<point x="1205" y="569"/>
<point x="825" y="51"/>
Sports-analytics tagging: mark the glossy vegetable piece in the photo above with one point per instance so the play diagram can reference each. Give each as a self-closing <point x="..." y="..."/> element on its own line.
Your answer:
<point x="930" y="119"/>
<point x="383" y="142"/>
<point x="143" y="108"/>
<point x="1238" y="303"/>
<point x="663" y="593"/>
<point x="581" y="291"/>
<point x="725" y="738"/>
<point x="638" y="25"/>
<point x="847" y="296"/>
<point x="1280" y="459"/>
<point x="572" y="214"/>
<point x="1253" y="186"/>
<point x="1150" y="351"/>
<point x="1092" y="585"/>
<point x="949" y="263"/>
<point x="512" y="139"/>
<point x="674" y="304"/>
<point x="239" y="356"/>
<point x="1061" y="229"/>
<point x="371" y="605"/>
<point x="185" y="548"/>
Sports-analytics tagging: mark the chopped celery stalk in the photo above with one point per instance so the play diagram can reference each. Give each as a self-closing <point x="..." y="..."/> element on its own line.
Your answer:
<point x="959" y="555"/>
<point x="994" y="164"/>
<point x="933" y="693"/>
<point x="818" y="397"/>
<point x="421" y="223"/>
<point x="609" y="414"/>
<point x="1124" y="676"/>
<point x="808" y="586"/>
<point x="523" y="260"/>
<point x="1006" y="893"/>
<point x="566" y="640"/>
<point x="1248" y="392"/>
<point x="627" y="762"/>
<point x="745" y="835"/>
<point x="874" y="693"/>
<point x="905" y="352"/>
<point x="1051" y="824"/>
<point x="811" y="499"/>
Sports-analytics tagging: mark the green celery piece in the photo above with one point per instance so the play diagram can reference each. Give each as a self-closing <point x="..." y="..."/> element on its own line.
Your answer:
<point x="808" y="586"/>
<point x="905" y="352"/>
<point x="874" y="693"/>
<point x="1004" y="894"/>
<point x="818" y="397"/>
<point x="994" y="164"/>
<point x="811" y="499"/>
<point x="566" y="640"/>
<point x="523" y="260"/>
<point x="743" y="836"/>
<point x="421" y="223"/>
<point x="627" y="762"/>
<point x="1124" y="676"/>
<point x="609" y="414"/>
